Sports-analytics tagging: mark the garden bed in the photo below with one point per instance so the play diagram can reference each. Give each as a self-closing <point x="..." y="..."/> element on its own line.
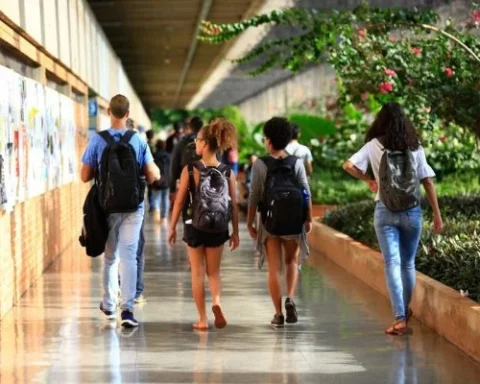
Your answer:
<point x="452" y="258"/>
<point x="443" y="309"/>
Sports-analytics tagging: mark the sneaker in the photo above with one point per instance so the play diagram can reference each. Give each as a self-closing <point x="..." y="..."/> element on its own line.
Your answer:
<point x="291" y="310"/>
<point x="140" y="299"/>
<point x="110" y="315"/>
<point x="128" y="321"/>
<point x="278" y="321"/>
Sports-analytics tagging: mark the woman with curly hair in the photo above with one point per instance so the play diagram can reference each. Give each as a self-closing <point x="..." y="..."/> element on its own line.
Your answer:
<point x="211" y="188"/>
<point x="277" y="134"/>
<point x="399" y="165"/>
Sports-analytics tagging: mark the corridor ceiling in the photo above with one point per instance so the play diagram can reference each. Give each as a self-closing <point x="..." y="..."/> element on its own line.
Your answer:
<point x="154" y="39"/>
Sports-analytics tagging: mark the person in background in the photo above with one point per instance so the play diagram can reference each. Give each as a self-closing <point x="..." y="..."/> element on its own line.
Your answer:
<point x="230" y="158"/>
<point x="161" y="200"/>
<point x="248" y="173"/>
<point x="174" y="138"/>
<point x="301" y="151"/>
<point x="139" y="297"/>
<point x="125" y="226"/>
<point x="184" y="153"/>
<point x="398" y="231"/>
<point x="150" y="134"/>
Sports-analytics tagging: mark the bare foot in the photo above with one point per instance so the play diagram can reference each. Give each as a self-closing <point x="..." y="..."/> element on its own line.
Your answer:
<point x="220" y="321"/>
<point x="200" y="326"/>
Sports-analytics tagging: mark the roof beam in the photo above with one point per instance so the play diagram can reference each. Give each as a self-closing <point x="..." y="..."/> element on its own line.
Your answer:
<point x="203" y="15"/>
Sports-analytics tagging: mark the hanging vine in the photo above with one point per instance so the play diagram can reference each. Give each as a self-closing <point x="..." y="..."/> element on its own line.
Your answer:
<point x="379" y="53"/>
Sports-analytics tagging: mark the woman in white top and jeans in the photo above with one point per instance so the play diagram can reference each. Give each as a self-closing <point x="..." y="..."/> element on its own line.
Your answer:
<point x="398" y="233"/>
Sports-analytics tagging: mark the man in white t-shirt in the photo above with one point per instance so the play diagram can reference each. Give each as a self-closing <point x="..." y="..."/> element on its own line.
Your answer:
<point x="299" y="150"/>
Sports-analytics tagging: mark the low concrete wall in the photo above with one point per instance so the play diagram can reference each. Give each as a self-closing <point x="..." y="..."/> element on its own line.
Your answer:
<point x="442" y="308"/>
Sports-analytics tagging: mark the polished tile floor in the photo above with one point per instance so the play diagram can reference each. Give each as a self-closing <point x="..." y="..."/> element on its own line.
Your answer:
<point x="56" y="333"/>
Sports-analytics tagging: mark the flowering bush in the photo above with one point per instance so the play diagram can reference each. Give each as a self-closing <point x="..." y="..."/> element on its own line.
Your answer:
<point x="396" y="54"/>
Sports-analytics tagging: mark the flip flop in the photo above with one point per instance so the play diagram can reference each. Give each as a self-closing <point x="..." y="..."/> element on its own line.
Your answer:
<point x="395" y="330"/>
<point x="220" y="321"/>
<point x="197" y="327"/>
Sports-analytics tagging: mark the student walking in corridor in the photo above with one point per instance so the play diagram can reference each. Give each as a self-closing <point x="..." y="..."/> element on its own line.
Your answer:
<point x="120" y="161"/>
<point x="280" y="191"/>
<point x="208" y="190"/>
<point x="399" y="165"/>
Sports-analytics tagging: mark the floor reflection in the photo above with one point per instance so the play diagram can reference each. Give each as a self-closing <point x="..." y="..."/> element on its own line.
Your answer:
<point x="56" y="334"/>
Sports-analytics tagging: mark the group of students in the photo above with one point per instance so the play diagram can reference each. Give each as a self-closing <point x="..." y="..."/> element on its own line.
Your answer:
<point x="279" y="207"/>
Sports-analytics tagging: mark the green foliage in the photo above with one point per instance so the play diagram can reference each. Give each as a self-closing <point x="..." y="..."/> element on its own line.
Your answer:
<point x="313" y="127"/>
<point x="335" y="187"/>
<point x="381" y="54"/>
<point x="452" y="258"/>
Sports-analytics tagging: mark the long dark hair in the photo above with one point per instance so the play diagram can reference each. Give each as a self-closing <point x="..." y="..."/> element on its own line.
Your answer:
<point x="395" y="130"/>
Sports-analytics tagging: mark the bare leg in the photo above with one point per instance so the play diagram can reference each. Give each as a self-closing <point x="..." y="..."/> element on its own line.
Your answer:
<point x="274" y="258"/>
<point x="197" y="263"/>
<point x="213" y="259"/>
<point x="291" y="250"/>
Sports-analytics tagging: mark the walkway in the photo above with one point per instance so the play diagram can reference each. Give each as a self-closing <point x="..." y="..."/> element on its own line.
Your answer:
<point x="56" y="334"/>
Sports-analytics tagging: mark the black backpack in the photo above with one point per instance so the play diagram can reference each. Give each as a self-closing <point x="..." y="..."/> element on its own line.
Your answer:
<point x="121" y="185"/>
<point x="95" y="227"/>
<point x="162" y="161"/>
<point x="283" y="207"/>
<point x="189" y="154"/>
<point x="211" y="205"/>
<point x="399" y="184"/>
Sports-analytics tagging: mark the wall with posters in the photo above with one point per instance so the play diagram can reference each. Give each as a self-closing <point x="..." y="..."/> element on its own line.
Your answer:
<point x="37" y="139"/>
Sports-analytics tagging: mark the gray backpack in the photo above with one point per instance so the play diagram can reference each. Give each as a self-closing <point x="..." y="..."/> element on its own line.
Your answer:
<point x="211" y="203"/>
<point x="399" y="184"/>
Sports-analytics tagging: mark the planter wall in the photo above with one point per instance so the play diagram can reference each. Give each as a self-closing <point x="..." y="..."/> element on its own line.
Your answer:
<point x="319" y="210"/>
<point x="442" y="308"/>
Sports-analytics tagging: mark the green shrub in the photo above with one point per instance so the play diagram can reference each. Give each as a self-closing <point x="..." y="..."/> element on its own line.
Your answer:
<point x="452" y="258"/>
<point x="337" y="188"/>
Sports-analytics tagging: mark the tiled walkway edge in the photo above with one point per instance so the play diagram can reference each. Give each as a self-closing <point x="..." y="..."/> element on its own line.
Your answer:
<point x="434" y="304"/>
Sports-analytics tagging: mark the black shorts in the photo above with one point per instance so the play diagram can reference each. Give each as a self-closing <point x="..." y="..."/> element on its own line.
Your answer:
<point x="195" y="238"/>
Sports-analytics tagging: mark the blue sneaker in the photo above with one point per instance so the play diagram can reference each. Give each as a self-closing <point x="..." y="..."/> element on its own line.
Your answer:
<point x="110" y="315"/>
<point x="128" y="321"/>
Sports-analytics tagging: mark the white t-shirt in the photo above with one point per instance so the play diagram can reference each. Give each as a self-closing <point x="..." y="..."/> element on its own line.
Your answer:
<point x="372" y="152"/>
<point x="299" y="150"/>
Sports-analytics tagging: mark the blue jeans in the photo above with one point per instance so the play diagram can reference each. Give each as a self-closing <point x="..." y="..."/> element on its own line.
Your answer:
<point x="122" y="246"/>
<point x="398" y="236"/>
<point x="161" y="202"/>
<point x="141" y="261"/>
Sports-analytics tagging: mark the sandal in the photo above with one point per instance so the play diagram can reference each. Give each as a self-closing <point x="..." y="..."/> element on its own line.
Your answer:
<point x="220" y="321"/>
<point x="397" y="330"/>
<point x="197" y="327"/>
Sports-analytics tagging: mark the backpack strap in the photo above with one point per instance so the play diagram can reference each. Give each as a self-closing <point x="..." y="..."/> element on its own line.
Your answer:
<point x="225" y="168"/>
<point x="191" y="181"/>
<point x="127" y="136"/>
<point x="105" y="135"/>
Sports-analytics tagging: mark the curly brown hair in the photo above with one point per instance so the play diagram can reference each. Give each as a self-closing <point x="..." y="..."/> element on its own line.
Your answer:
<point x="394" y="128"/>
<point x="220" y="135"/>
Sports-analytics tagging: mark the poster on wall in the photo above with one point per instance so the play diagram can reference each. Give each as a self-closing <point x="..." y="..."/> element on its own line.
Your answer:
<point x="67" y="139"/>
<point x="36" y="169"/>
<point x="37" y="139"/>
<point x="53" y="155"/>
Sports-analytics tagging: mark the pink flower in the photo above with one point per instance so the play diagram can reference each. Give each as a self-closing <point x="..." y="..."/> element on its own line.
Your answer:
<point x="386" y="87"/>
<point x="362" y="32"/>
<point x="410" y="81"/>
<point x="392" y="39"/>
<point x="476" y="16"/>
<point x="449" y="72"/>
<point x="417" y="51"/>
<point x="390" y="72"/>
